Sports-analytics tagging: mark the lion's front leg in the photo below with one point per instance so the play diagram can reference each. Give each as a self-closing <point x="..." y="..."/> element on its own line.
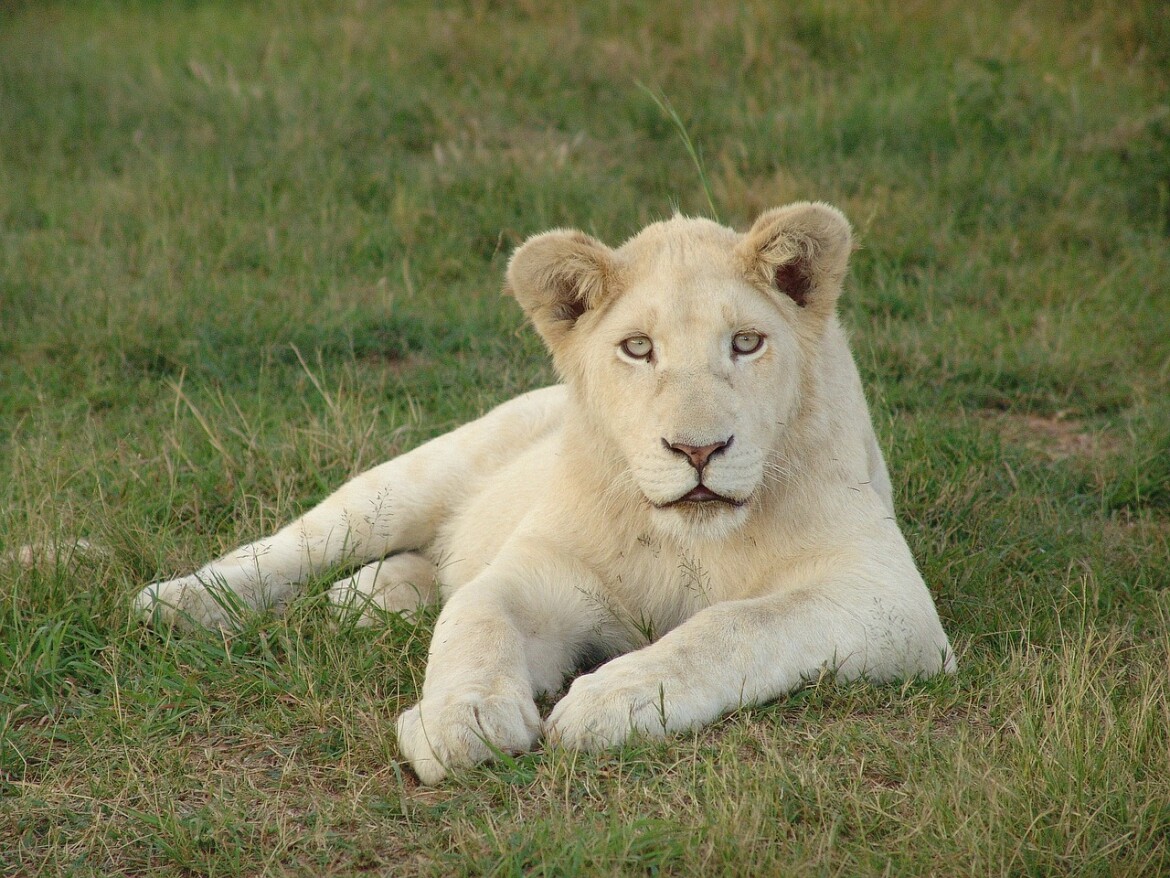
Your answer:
<point x="477" y="696"/>
<point x="752" y="651"/>
<point x="503" y="638"/>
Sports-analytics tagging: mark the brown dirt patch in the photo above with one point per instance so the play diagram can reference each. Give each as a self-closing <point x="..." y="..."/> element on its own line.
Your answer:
<point x="1057" y="437"/>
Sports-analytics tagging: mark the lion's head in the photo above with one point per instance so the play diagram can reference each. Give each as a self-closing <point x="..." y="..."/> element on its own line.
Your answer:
<point x="688" y="348"/>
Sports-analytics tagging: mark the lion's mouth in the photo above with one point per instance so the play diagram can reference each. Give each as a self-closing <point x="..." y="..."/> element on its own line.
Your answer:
<point x="701" y="494"/>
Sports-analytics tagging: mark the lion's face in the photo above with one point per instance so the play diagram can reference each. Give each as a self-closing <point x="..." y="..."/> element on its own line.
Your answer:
<point x="687" y="348"/>
<point x="692" y="375"/>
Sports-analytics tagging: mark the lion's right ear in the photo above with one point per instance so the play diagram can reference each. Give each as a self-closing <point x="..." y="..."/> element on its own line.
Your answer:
<point x="557" y="276"/>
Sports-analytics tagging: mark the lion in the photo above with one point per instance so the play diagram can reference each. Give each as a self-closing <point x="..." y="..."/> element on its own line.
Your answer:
<point x="699" y="513"/>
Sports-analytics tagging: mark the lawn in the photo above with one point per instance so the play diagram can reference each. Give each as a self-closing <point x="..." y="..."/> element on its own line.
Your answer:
<point x="248" y="249"/>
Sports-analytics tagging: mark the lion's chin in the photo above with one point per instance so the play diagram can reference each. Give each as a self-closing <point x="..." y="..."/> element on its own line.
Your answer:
<point x="700" y="514"/>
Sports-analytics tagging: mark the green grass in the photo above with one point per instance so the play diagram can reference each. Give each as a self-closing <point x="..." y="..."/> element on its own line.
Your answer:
<point x="250" y="249"/>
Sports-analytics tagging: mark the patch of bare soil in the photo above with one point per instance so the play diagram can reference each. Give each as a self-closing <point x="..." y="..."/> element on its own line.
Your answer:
<point x="1058" y="437"/>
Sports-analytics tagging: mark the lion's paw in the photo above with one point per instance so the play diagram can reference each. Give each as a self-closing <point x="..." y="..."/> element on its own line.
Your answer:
<point x="603" y="709"/>
<point x="187" y="602"/>
<point x="443" y="733"/>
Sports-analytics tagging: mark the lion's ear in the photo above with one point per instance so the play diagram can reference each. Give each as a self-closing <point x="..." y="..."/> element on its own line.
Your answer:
<point x="801" y="251"/>
<point x="557" y="276"/>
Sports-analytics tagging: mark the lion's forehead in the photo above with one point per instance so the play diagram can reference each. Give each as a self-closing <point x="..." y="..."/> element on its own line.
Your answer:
<point x="680" y="259"/>
<point x="687" y="280"/>
<point x="679" y="237"/>
<point x="692" y="308"/>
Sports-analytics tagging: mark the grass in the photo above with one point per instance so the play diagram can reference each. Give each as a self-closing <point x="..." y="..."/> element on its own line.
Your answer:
<point x="247" y="250"/>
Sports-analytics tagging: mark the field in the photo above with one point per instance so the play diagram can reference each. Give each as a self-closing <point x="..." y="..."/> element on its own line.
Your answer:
<point x="250" y="249"/>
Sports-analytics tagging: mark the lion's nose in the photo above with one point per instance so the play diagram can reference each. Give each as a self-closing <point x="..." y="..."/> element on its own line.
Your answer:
<point x="698" y="455"/>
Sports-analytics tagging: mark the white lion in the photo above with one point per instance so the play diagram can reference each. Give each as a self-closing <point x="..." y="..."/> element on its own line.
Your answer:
<point x="701" y="506"/>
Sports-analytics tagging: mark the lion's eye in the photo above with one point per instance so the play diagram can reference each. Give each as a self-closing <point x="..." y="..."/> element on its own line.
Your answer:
<point x="746" y="342"/>
<point x="639" y="347"/>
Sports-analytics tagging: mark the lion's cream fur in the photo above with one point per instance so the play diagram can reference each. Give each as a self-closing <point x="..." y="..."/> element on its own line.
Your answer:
<point x="552" y="528"/>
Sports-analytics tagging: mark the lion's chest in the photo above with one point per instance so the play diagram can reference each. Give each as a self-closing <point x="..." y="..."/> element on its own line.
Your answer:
<point x="652" y="585"/>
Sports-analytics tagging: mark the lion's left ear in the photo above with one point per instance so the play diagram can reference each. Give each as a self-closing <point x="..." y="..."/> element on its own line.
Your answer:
<point x="801" y="251"/>
<point x="557" y="276"/>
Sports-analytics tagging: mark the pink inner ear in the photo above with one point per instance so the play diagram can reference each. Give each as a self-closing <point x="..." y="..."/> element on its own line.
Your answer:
<point x="570" y="303"/>
<point x="793" y="281"/>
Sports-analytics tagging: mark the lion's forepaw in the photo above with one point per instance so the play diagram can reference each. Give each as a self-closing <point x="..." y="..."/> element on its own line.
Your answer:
<point x="446" y="732"/>
<point x="603" y="709"/>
